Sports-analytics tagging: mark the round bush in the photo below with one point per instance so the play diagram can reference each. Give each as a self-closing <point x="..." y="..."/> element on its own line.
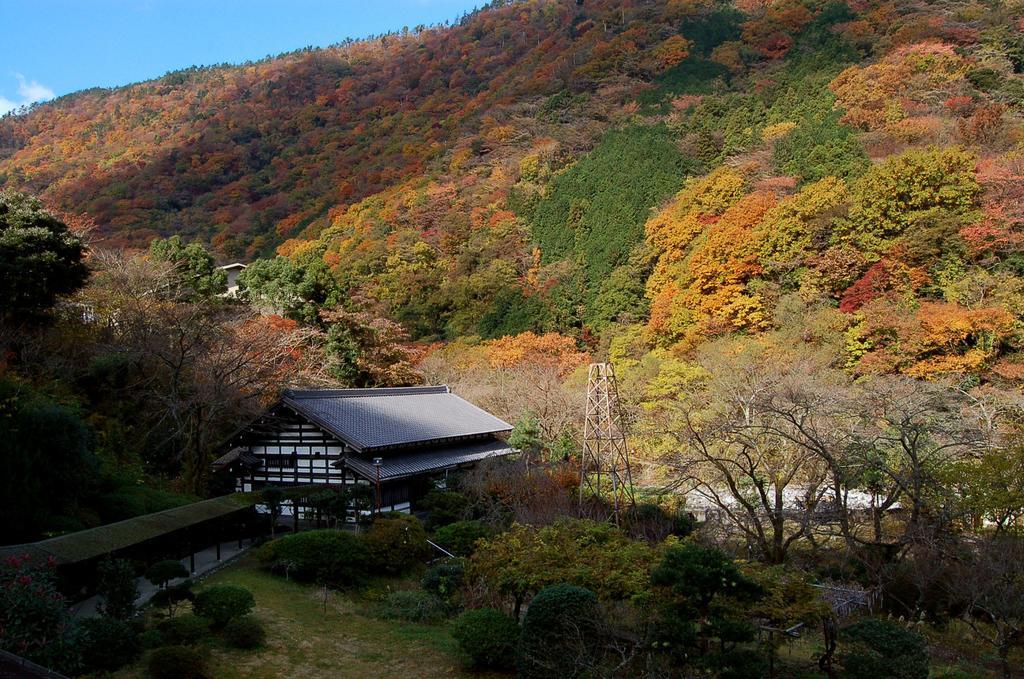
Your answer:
<point x="184" y="629"/>
<point x="152" y="638"/>
<point x="488" y="637"/>
<point x="875" y="648"/>
<point x="177" y="662"/>
<point x="444" y="507"/>
<point x="107" y="644"/>
<point x="173" y="595"/>
<point x="460" y="537"/>
<point x="245" y="632"/>
<point x="444" y="579"/>
<point x="162" y="572"/>
<point x="413" y="606"/>
<point x="221" y="603"/>
<point x="334" y="556"/>
<point x="395" y="544"/>
<point x="559" y="626"/>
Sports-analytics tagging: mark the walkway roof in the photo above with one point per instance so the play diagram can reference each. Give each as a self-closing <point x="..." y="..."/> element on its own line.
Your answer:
<point x="94" y="542"/>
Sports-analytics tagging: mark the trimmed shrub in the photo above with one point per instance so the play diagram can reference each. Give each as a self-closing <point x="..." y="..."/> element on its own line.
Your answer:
<point x="736" y="663"/>
<point x="881" y="648"/>
<point x="184" y="629"/>
<point x="107" y="644"/>
<point x="395" y="544"/>
<point x="560" y="626"/>
<point x="162" y="572"/>
<point x="334" y="556"/>
<point x="460" y="537"/>
<point x="654" y="522"/>
<point x="444" y="507"/>
<point x="444" y="580"/>
<point x="174" y="595"/>
<point x="245" y="632"/>
<point x="488" y="637"/>
<point x="177" y="662"/>
<point x="117" y="588"/>
<point x="413" y="606"/>
<point x="221" y="603"/>
<point x="152" y="638"/>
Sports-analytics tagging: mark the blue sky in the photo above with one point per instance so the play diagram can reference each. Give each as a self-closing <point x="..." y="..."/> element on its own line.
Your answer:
<point x="53" y="47"/>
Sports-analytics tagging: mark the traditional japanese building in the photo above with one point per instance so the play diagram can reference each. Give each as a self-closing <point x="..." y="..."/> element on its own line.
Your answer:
<point x="403" y="441"/>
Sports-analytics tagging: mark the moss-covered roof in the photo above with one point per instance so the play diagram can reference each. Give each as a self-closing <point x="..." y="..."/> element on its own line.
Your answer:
<point x="94" y="542"/>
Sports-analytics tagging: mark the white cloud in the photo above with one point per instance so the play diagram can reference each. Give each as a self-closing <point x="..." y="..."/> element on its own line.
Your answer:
<point x="29" y="92"/>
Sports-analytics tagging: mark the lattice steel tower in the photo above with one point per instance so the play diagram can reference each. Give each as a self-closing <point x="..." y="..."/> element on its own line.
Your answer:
<point x="605" y="466"/>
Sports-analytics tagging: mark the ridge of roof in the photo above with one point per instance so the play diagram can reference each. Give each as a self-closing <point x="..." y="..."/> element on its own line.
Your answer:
<point x="363" y="393"/>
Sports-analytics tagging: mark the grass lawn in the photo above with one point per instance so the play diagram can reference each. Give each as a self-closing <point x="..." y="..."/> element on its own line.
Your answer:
<point x="344" y="640"/>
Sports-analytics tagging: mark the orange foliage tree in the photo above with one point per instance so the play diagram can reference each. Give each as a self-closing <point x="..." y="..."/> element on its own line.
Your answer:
<point x="937" y="338"/>
<point x="907" y="79"/>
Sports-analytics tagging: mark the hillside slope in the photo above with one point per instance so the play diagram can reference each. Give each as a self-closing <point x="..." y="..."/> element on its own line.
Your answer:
<point x="641" y="176"/>
<point x="246" y="155"/>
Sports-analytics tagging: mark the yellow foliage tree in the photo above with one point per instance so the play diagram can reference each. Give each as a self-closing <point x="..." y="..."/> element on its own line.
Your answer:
<point x="790" y="230"/>
<point x="672" y="230"/>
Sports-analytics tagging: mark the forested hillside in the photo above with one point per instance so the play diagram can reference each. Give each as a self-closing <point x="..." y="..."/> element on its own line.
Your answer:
<point x="519" y="170"/>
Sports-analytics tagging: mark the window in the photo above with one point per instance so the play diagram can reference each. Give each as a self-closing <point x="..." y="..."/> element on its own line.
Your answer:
<point x="280" y="461"/>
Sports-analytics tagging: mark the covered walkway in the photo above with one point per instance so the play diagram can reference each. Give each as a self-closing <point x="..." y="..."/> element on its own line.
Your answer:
<point x="206" y="561"/>
<point x="201" y="534"/>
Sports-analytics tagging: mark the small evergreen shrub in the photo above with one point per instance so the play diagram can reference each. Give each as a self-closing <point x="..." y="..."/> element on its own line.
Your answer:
<point x="117" y="588"/>
<point x="107" y="644"/>
<point x="395" y="544"/>
<point x="444" y="579"/>
<point x="221" y="603"/>
<point x="183" y="629"/>
<point x="152" y="638"/>
<point x="245" y="632"/>
<point x="881" y="648"/>
<point x="413" y="606"/>
<point x="559" y="626"/>
<point x="338" y="557"/>
<point x="177" y="662"/>
<point x="162" y="572"/>
<point x="444" y="507"/>
<point x="488" y="637"/>
<point x="172" y="596"/>
<point x="460" y="537"/>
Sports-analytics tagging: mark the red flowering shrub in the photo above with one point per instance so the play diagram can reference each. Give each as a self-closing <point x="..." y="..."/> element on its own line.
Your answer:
<point x="34" y="617"/>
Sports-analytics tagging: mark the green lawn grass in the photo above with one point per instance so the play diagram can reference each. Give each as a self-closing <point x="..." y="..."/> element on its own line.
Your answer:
<point x="308" y="639"/>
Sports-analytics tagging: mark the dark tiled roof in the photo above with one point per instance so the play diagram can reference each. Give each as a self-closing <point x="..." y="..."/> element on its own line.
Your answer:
<point x="93" y="542"/>
<point x="236" y="454"/>
<point x="375" y="419"/>
<point x="401" y="465"/>
<point x="16" y="667"/>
